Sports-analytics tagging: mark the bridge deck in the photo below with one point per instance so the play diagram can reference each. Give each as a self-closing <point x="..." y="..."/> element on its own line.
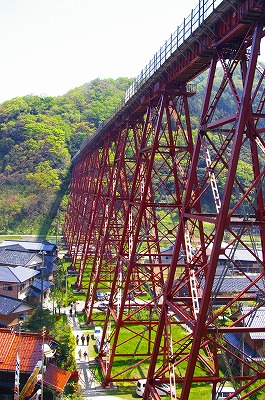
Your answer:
<point x="185" y="55"/>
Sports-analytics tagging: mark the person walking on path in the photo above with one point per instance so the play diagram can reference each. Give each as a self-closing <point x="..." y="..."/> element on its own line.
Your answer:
<point x="75" y="309"/>
<point x="85" y="355"/>
<point x="77" y="339"/>
<point x="87" y="339"/>
<point x="80" y="354"/>
<point x="83" y="339"/>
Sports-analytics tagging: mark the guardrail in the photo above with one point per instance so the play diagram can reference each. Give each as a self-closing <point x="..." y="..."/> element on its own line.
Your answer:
<point x="183" y="32"/>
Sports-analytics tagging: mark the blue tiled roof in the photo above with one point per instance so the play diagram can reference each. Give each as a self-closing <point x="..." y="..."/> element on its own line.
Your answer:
<point x="32" y="246"/>
<point x="241" y="254"/>
<point x="255" y="320"/>
<point x="8" y="305"/>
<point x="16" y="274"/>
<point x="236" y="341"/>
<point x="15" y="257"/>
<point x="37" y="285"/>
<point x="33" y="293"/>
<point x="50" y="265"/>
<point x="234" y="284"/>
<point x="13" y="247"/>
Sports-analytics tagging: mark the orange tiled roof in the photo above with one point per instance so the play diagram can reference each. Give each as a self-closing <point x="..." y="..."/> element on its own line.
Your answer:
<point x="27" y="344"/>
<point x="56" y="377"/>
<point x="29" y="347"/>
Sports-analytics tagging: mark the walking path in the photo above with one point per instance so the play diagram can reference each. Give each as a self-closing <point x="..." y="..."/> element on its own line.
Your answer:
<point x="90" y="387"/>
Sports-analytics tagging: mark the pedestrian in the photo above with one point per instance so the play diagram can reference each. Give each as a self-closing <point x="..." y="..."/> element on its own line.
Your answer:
<point x="77" y="339"/>
<point x="87" y="339"/>
<point x="83" y="339"/>
<point x="70" y="312"/>
<point x="85" y="355"/>
<point x="80" y="354"/>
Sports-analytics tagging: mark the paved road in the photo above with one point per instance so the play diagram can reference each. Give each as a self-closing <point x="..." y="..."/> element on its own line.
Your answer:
<point x="90" y="387"/>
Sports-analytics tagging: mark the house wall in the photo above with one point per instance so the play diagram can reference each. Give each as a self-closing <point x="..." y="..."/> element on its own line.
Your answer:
<point x="15" y="290"/>
<point x="14" y="318"/>
<point x="256" y="344"/>
<point x="7" y="384"/>
<point x="24" y="288"/>
<point x="10" y="289"/>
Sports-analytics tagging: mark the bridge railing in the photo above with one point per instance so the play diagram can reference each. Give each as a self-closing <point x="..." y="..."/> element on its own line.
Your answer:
<point x="183" y="32"/>
<point x="197" y="16"/>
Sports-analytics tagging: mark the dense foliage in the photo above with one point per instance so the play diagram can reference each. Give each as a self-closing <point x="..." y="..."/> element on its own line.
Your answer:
<point x="38" y="137"/>
<point x="59" y="331"/>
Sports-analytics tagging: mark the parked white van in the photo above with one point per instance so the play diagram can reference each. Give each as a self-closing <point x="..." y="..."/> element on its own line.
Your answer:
<point x="224" y="392"/>
<point x="98" y="332"/>
<point x="141" y="386"/>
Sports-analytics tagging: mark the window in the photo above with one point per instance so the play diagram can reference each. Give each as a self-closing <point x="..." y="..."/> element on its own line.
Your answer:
<point x="6" y="286"/>
<point x="22" y="317"/>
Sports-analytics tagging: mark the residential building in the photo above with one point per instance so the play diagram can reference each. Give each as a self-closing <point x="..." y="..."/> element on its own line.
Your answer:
<point x="27" y="347"/>
<point x="13" y="311"/>
<point x="33" y="246"/>
<point x="15" y="281"/>
<point x="249" y="343"/>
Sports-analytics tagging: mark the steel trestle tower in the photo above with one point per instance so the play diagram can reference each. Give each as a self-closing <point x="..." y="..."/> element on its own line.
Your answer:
<point x="147" y="181"/>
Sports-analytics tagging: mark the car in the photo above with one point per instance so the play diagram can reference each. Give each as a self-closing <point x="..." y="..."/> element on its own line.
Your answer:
<point x="100" y="295"/>
<point x="98" y="332"/>
<point x="224" y="392"/>
<point x="162" y="388"/>
<point x="103" y="305"/>
<point x="97" y="344"/>
<point x="130" y="296"/>
<point x="105" y="347"/>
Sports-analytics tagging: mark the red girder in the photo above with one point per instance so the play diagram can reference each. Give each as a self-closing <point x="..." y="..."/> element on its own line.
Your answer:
<point x="141" y="185"/>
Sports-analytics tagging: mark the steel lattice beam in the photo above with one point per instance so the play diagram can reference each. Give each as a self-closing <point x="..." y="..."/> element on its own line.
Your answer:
<point x="143" y="184"/>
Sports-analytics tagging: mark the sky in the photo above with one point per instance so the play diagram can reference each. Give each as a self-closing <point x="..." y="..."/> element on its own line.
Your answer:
<point x="49" y="47"/>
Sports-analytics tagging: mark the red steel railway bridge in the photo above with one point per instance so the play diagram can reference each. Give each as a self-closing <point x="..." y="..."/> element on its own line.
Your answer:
<point x="159" y="211"/>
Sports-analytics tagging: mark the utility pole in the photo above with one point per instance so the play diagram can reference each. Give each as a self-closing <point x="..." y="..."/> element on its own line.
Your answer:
<point x="66" y="286"/>
<point x="42" y="271"/>
<point x="42" y="360"/>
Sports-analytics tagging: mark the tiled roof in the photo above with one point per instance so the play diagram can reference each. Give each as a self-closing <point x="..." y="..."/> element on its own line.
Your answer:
<point x="8" y="305"/>
<point x="35" y="288"/>
<point x="28" y="345"/>
<point x="12" y="247"/>
<point x="56" y="377"/>
<point x="38" y="284"/>
<point x="236" y="341"/>
<point x="256" y="320"/>
<point x="51" y="266"/>
<point x="221" y="270"/>
<point x="241" y="254"/>
<point x="233" y="284"/>
<point x="33" y="293"/>
<point x="15" y="257"/>
<point x="16" y="274"/>
<point x="32" y="246"/>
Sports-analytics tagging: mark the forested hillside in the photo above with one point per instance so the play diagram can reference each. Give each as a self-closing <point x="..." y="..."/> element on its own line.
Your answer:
<point x="39" y="135"/>
<point x="38" y="138"/>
